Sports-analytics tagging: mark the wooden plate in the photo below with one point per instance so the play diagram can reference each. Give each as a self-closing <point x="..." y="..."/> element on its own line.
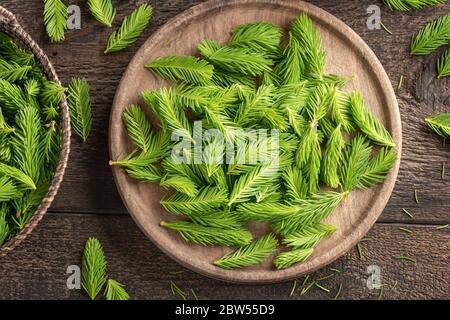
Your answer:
<point x="347" y="54"/>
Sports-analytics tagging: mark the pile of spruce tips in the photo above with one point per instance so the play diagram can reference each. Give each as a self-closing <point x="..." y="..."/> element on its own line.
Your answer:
<point x="30" y="136"/>
<point x="327" y="139"/>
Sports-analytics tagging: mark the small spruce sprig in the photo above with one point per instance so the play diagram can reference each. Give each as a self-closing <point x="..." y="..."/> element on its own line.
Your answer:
<point x="288" y="258"/>
<point x="93" y="274"/>
<point x="443" y="65"/>
<point x="184" y="68"/>
<point x="115" y="291"/>
<point x="93" y="269"/>
<point x="370" y="125"/>
<point x="103" y="11"/>
<point x="440" y="124"/>
<point x="407" y="5"/>
<point x="209" y="235"/>
<point x="55" y="19"/>
<point x="131" y="28"/>
<point x="434" y="35"/>
<point x="80" y="107"/>
<point x="263" y="38"/>
<point x="249" y="255"/>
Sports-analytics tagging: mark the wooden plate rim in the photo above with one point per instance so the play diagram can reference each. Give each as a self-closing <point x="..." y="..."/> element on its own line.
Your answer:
<point x="382" y="79"/>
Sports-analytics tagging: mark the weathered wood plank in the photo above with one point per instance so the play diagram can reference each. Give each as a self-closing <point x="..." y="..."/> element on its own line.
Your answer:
<point x="88" y="185"/>
<point x="36" y="270"/>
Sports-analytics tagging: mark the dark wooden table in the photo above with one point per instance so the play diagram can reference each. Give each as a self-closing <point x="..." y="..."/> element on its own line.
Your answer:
<point x="89" y="205"/>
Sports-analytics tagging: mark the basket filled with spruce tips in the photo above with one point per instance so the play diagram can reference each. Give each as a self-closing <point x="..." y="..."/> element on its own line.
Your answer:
<point x="34" y="133"/>
<point x="255" y="149"/>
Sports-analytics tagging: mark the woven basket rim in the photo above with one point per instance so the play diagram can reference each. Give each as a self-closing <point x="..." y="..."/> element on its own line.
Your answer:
<point x="10" y="26"/>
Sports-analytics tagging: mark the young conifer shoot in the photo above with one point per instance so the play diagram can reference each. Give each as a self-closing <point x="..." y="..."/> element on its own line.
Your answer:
<point x="311" y="143"/>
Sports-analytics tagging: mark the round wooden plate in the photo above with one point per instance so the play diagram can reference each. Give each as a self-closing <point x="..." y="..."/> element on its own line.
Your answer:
<point x="347" y="54"/>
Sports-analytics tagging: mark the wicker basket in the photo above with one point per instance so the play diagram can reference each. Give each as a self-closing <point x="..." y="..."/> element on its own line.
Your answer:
<point x="10" y="26"/>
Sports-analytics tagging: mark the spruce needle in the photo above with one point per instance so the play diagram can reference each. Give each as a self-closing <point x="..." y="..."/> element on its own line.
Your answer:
<point x="380" y="294"/>
<point x="338" y="293"/>
<point x="359" y="250"/>
<point x="394" y="286"/>
<point x="194" y="294"/>
<point x="385" y="28"/>
<point x="177" y="291"/>
<point x="405" y="230"/>
<point x="443" y="170"/>
<point x="306" y="289"/>
<point x="416" y="196"/>
<point x="400" y="82"/>
<point x="406" y="258"/>
<point x="407" y="213"/>
<point x="321" y="287"/>
<point x="442" y="226"/>
<point x="294" y="286"/>
<point x="325" y="277"/>
<point x="335" y="270"/>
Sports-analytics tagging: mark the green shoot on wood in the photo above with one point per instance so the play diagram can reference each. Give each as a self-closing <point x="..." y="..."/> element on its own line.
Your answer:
<point x="115" y="291"/>
<point x="407" y="5"/>
<point x="440" y="124"/>
<point x="131" y="28"/>
<point x="55" y="19"/>
<point x="103" y="11"/>
<point x="443" y="65"/>
<point x="434" y="35"/>
<point x="93" y="269"/>
<point x="80" y="107"/>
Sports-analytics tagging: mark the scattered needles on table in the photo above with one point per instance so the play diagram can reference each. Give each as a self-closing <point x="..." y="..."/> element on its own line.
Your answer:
<point x="309" y="133"/>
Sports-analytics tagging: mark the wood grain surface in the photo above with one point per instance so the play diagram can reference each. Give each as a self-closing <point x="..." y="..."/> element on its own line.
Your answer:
<point x="347" y="54"/>
<point x="88" y="203"/>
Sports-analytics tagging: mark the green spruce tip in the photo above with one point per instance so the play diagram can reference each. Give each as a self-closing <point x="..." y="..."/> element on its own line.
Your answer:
<point x="440" y="124"/>
<point x="93" y="269"/>
<point x="80" y="107"/>
<point x="103" y="11"/>
<point x="183" y="68"/>
<point x="407" y="5"/>
<point x="131" y="28"/>
<point x="443" y="65"/>
<point x="367" y="122"/>
<point x="55" y="19"/>
<point x="432" y="36"/>
<point x="115" y="291"/>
